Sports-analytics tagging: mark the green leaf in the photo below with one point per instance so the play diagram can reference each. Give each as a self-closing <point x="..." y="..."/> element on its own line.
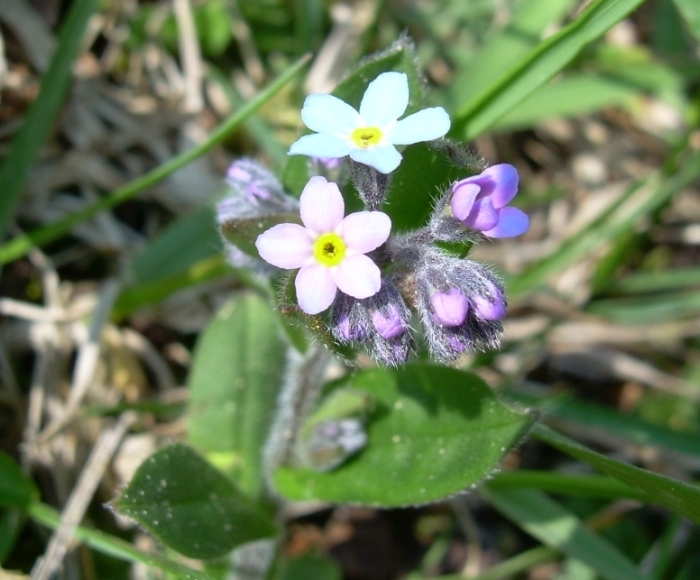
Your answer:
<point x="690" y="10"/>
<point x="676" y="495"/>
<point x="242" y="232"/>
<point x="142" y="294"/>
<point x="183" y="243"/>
<point x="44" y="110"/>
<point x="11" y="524"/>
<point x="16" y="489"/>
<point x="190" y="506"/>
<point x="568" y="97"/>
<point x="311" y="567"/>
<point x="529" y="21"/>
<point x="435" y="431"/>
<point x="483" y="111"/>
<point x="236" y="374"/>
<point x="558" y="528"/>
<point x="423" y="174"/>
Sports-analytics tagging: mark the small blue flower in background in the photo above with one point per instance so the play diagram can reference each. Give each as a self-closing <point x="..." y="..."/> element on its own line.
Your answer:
<point x="481" y="202"/>
<point x="370" y="135"/>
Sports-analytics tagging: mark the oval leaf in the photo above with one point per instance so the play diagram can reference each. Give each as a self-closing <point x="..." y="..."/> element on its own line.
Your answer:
<point x="190" y="506"/>
<point x="236" y="374"/>
<point x="242" y="232"/>
<point x="16" y="489"/>
<point x="435" y="431"/>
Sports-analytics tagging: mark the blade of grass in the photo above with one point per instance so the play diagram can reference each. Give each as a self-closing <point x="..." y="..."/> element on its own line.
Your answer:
<point x="153" y="292"/>
<point x="556" y="527"/>
<point x="678" y="496"/>
<point x="574" y="95"/>
<point x="648" y="309"/>
<point x="258" y="128"/>
<point x="565" y="484"/>
<point x="643" y="282"/>
<point x="508" y="568"/>
<point x="115" y="547"/>
<point x="634" y="429"/>
<point x="44" y="110"/>
<point x="540" y="65"/>
<point x="494" y="59"/>
<point x="606" y="226"/>
<point x="19" y="246"/>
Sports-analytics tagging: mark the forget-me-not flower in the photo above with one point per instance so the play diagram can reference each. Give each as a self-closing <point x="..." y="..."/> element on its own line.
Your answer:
<point x="329" y="249"/>
<point x="370" y="135"/>
<point x="480" y="202"/>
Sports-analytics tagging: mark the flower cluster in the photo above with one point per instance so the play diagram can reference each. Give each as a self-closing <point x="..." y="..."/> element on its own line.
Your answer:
<point x="369" y="286"/>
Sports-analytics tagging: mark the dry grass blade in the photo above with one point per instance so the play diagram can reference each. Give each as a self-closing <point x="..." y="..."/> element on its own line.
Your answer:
<point x="81" y="496"/>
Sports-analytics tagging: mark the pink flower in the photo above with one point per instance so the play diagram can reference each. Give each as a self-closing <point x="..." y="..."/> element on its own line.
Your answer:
<point x="329" y="249"/>
<point x="481" y="202"/>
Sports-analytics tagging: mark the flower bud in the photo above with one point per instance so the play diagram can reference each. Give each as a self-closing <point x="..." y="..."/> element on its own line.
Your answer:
<point x="389" y="324"/>
<point x="449" y="308"/>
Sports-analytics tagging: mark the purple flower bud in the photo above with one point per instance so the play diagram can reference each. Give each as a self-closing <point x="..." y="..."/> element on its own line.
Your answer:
<point x="455" y="345"/>
<point x="238" y="173"/>
<point x="481" y="202"/>
<point x="254" y="182"/>
<point x="491" y="307"/>
<point x="346" y="331"/>
<point x="389" y="324"/>
<point x="449" y="308"/>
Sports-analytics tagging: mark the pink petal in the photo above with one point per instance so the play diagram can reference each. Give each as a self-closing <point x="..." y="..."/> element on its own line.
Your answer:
<point x="286" y="246"/>
<point x="463" y="199"/>
<point x="315" y="288"/>
<point x="504" y="183"/>
<point x="358" y="276"/>
<point x="483" y="215"/>
<point x="321" y="205"/>
<point x="511" y="222"/>
<point x="365" y="231"/>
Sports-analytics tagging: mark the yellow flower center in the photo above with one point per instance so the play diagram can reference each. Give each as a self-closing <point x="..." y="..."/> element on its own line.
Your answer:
<point x="365" y="137"/>
<point x="329" y="249"/>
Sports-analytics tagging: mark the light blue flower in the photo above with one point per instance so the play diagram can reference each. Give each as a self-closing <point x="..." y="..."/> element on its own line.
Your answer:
<point x="370" y="135"/>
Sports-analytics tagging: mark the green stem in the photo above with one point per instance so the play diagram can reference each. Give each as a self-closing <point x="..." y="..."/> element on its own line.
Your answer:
<point x="44" y="110"/>
<point x="115" y="547"/>
<point x="19" y="246"/>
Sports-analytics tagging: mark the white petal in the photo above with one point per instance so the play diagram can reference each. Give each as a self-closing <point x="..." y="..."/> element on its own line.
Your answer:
<point x="321" y="205"/>
<point x="365" y="231"/>
<point x="385" y="99"/>
<point x="424" y="125"/>
<point x="384" y="159"/>
<point x="315" y="288"/>
<point x="320" y="145"/>
<point x="328" y="114"/>
<point x="358" y="276"/>
<point x="286" y="246"/>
